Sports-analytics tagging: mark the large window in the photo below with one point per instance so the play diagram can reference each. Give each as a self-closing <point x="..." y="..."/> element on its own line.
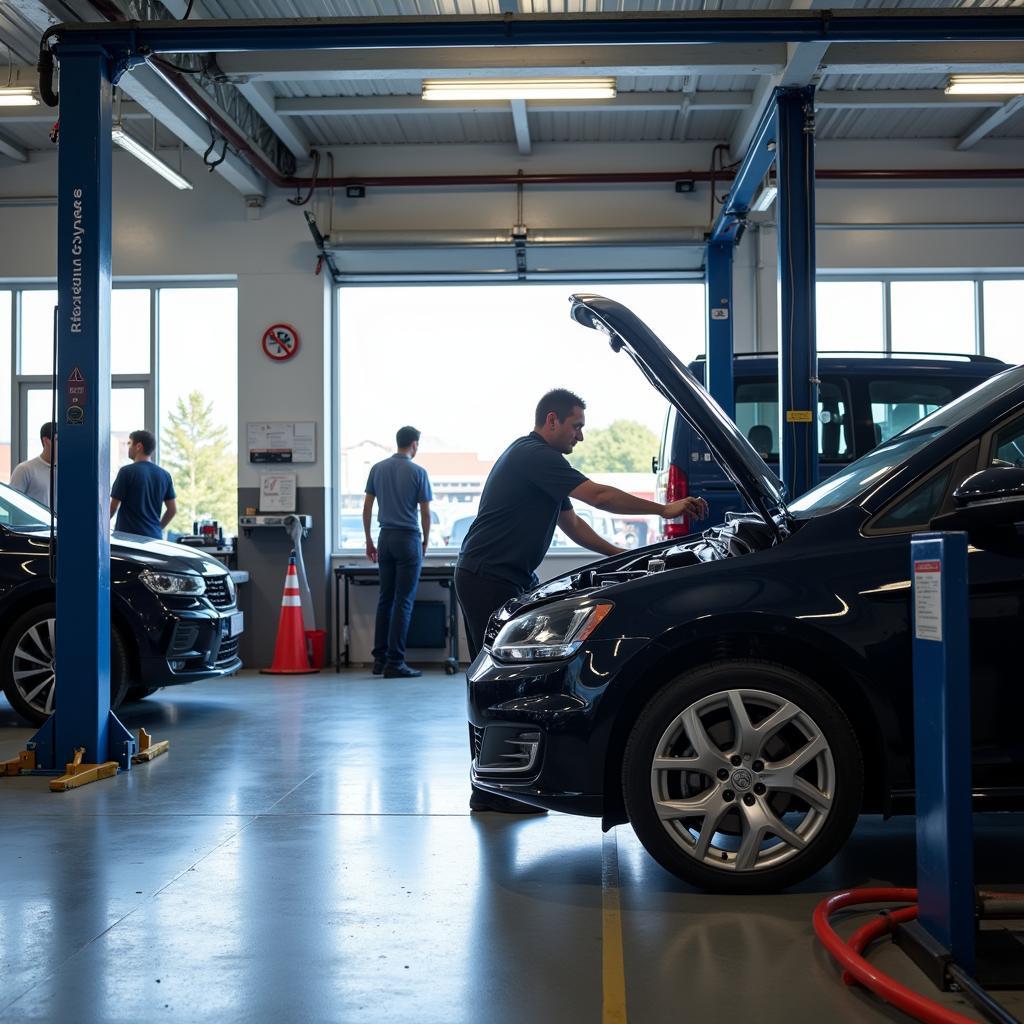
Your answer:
<point x="850" y="316"/>
<point x="952" y="314"/>
<point x="190" y="334"/>
<point x="466" y="366"/>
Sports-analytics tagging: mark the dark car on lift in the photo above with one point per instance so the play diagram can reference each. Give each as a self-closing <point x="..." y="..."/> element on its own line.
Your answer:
<point x="742" y="694"/>
<point x="173" y="611"/>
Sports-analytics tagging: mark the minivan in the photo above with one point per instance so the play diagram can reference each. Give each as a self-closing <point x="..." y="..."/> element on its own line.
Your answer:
<point x="863" y="400"/>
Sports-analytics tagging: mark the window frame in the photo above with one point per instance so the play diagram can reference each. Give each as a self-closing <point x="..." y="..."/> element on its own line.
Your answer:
<point x="887" y="280"/>
<point x="448" y="553"/>
<point x="21" y="383"/>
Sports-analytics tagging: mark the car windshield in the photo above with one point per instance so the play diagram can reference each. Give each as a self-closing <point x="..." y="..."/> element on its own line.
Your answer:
<point x="19" y="512"/>
<point x="866" y="471"/>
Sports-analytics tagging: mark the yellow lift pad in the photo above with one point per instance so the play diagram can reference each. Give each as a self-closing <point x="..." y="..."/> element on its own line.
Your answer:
<point x="78" y="774"/>
<point x="148" y="749"/>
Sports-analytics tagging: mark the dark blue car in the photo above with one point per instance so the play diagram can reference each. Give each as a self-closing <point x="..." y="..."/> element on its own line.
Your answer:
<point x="863" y="400"/>
<point x="742" y="694"/>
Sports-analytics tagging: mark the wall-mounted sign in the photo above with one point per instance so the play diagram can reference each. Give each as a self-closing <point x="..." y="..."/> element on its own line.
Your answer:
<point x="281" y="442"/>
<point x="280" y="342"/>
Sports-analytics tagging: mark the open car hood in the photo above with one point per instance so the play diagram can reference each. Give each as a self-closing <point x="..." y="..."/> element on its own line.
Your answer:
<point x="760" y="487"/>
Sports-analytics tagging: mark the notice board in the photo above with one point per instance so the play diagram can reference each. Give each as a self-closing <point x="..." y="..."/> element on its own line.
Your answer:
<point x="281" y="442"/>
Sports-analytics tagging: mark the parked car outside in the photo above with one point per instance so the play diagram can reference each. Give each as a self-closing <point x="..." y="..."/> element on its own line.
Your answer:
<point x="863" y="400"/>
<point x="174" y="617"/>
<point x="351" y="535"/>
<point x="742" y="694"/>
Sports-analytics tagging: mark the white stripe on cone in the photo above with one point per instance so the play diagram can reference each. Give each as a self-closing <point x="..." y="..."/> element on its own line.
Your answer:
<point x="291" y="602"/>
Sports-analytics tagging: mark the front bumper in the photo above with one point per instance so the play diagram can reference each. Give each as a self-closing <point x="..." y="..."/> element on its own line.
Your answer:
<point x="185" y="640"/>
<point x="540" y="732"/>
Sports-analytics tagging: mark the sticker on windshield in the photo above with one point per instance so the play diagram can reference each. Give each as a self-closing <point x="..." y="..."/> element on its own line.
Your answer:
<point x="928" y="600"/>
<point x="799" y="416"/>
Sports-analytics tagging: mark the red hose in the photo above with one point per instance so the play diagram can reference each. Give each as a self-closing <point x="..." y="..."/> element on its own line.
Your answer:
<point x="857" y="969"/>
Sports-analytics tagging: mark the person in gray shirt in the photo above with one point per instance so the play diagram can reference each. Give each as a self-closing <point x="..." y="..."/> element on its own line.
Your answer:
<point x="32" y="477"/>
<point x="403" y="495"/>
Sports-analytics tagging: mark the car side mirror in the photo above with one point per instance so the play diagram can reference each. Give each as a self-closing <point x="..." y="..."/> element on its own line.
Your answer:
<point x="987" y="500"/>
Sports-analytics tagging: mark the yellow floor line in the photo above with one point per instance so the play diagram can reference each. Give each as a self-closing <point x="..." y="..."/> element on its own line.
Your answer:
<point x="613" y="971"/>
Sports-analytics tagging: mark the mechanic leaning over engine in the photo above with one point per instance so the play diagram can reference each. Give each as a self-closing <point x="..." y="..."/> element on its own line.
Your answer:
<point x="526" y="495"/>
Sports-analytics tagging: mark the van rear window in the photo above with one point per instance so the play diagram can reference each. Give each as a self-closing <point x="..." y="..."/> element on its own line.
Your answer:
<point x="757" y="415"/>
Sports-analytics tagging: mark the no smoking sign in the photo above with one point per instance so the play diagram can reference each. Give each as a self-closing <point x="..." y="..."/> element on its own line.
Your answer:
<point x="280" y="342"/>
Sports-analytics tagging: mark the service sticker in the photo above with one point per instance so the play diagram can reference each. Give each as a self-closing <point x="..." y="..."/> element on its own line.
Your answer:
<point x="928" y="600"/>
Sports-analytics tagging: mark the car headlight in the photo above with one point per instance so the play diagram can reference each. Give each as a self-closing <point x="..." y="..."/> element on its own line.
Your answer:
<point x="552" y="632"/>
<point x="173" y="583"/>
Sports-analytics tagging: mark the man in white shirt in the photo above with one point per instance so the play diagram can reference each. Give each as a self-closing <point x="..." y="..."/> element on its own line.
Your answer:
<point x="33" y="476"/>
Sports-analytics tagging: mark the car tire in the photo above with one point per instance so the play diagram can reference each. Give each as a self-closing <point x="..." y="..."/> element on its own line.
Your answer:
<point x="28" y="681"/>
<point x="773" y="798"/>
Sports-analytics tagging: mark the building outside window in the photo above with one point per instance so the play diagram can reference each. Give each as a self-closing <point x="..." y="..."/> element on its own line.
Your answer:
<point x="466" y="365"/>
<point x="189" y="334"/>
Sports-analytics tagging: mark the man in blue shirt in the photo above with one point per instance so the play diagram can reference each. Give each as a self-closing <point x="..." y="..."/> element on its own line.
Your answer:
<point x="525" y="497"/>
<point x="403" y="495"/>
<point x="141" y="490"/>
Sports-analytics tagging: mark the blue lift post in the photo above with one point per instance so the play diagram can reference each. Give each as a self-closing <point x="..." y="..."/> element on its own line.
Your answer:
<point x="798" y="358"/>
<point x="83" y="718"/>
<point x="784" y="136"/>
<point x="718" y="277"/>
<point x="942" y="755"/>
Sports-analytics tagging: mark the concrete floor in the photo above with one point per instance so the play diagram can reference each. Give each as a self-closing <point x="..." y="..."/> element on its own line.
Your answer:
<point x="304" y="853"/>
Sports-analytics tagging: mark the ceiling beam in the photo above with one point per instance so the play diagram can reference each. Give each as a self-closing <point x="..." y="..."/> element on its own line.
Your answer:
<point x="521" y="122"/>
<point x="261" y="96"/>
<point x="10" y="149"/>
<point x="897" y="99"/>
<point x="801" y="67"/>
<point x="506" y="61"/>
<point x="923" y="58"/>
<point x="373" y="106"/>
<point x="991" y="121"/>
<point x="42" y="114"/>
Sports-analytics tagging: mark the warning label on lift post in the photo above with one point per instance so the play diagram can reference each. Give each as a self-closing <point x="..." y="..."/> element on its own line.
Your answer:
<point x="928" y="600"/>
<point x="76" y="391"/>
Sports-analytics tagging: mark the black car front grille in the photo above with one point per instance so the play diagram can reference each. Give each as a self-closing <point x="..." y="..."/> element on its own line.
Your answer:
<point x="476" y="737"/>
<point x="219" y="592"/>
<point x="228" y="651"/>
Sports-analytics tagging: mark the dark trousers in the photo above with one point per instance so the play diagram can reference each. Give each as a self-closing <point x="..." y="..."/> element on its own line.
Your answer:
<point x="478" y="598"/>
<point x="399" y="557"/>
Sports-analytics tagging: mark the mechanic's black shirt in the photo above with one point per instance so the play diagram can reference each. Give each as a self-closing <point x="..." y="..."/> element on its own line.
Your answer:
<point x="525" y="491"/>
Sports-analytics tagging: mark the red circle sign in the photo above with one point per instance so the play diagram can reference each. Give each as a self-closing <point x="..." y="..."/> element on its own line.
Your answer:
<point x="280" y="341"/>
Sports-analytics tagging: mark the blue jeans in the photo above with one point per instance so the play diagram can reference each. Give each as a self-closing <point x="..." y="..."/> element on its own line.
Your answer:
<point x="399" y="557"/>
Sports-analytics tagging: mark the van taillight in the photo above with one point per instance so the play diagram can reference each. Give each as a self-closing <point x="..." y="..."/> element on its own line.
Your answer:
<point x="678" y="487"/>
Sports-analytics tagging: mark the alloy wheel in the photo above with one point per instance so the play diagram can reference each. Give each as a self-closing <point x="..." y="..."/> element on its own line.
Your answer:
<point x="743" y="780"/>
<point x="32" y="665"/>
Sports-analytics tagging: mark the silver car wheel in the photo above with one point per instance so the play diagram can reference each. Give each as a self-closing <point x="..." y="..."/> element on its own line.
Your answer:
<point x="743" y="780"/>
<point x="32" y="665"/>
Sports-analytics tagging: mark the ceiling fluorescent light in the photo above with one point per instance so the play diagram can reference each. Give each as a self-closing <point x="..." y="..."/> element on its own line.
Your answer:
<point x="985" y="85"/>
<point x="764" y="199"/>
<point x="16" y="96"/>
<point x="456" y="89"/>
<point x="121" y="138"/>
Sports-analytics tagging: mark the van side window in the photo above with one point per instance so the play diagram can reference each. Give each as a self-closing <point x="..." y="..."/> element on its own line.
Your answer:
<point x="757" y="415"/>
<point x="899" y="403"/>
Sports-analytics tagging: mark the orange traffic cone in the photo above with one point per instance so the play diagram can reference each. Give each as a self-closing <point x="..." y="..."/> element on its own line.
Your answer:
<point x="290" y="657"/>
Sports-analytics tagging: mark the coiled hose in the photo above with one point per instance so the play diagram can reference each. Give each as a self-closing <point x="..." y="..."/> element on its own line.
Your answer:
<point x="858" y="970"/>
